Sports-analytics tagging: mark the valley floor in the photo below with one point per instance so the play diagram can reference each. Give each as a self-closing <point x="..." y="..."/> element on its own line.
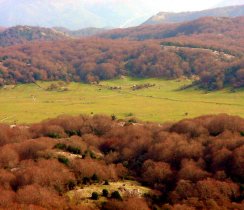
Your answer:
<point x="162" y="102"/>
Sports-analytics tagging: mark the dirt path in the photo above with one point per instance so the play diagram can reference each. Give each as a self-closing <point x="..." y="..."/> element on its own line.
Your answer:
<point x="215" y="51"/>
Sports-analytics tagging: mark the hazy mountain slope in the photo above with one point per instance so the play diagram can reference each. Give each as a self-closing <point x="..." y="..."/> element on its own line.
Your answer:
<point x="72" y="14"/>
<point x="2" y="28"/>
<point x="206" y="25"/>
<point x="219" y="33"/>
<point x="22" y="34"/>
<point x="47" y="13"/>
<point x="82" y="32"/>
<point x="164" y="17"/>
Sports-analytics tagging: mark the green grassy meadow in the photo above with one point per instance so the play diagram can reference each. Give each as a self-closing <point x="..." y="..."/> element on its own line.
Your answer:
<point x="29" y="103"/>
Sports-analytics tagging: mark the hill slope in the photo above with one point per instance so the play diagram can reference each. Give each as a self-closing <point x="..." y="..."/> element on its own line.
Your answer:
<point x="165" y="17"/>
<point x="214" y="32"/>
<point x="68" y="163"/>
<point x="23" y="34"/>
<point x="96" y="59"/>
<point x="205" y="25"/>
<point x="82" y="32"/>
<point x="2" y="29"/>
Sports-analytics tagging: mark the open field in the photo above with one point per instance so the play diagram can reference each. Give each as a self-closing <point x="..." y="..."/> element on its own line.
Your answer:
<point x="163" y="102"/>
<point x="125" y="188"/>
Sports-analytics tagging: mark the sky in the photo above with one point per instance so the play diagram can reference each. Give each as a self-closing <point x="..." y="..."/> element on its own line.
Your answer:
<point x="160" y="5"/>
<point x="76" y="14"/>
<point x="143" y="9"/>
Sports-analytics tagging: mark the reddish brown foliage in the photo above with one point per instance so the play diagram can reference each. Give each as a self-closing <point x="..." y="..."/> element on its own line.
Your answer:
<point x="130" y="204"/>
<point x="92" y="60"/>
<point x="194" y="163"/>
<point x="36" y="195"/>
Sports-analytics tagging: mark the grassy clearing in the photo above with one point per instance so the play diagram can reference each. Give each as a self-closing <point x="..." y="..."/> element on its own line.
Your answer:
<point x="125" y="188"/>
<point x="164" y="102"/>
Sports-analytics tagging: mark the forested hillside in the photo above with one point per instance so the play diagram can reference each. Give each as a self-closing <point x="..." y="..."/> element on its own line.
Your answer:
<point x="168" y="17"/>
<point x="92" y="60"/>
<point x="209" y="49"/>
<point x="191" y="164"/>
<point x="232" y="28"/>
<point x="22" y="34"/>
<point x="82" y="32"/>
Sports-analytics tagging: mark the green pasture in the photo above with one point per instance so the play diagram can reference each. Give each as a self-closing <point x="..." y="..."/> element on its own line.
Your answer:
<point x="29" y="103"/>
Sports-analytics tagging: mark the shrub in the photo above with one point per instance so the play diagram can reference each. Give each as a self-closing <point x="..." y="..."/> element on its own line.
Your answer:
<point x="92" y="155"/>
<point x="63" y="160"/>
<point x="94" y="196"/>
<point x="116" y="195"/>
<point x="95" y="178"/>
<point x="71" y="184"/>
<point x="85" y="180"/>
<point x="73" y="133"/>
<point x="60" y="146"/>
<point x="37" y="195"/>
<point x="105" y="192"/>
<point x="113" y="117"/>
<point x="106" y="182"/>
<point x="74" y="150"/>
<point x="54" y="135"/>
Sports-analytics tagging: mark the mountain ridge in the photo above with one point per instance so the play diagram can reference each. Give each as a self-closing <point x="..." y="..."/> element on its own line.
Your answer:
<point x="167" y="17"/>
<point x="84" y="32"/>
<point x="22" y="34"/>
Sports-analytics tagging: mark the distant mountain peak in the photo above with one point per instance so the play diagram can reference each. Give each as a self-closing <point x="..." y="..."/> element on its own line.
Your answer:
<point x="166" y="17"/>
<point x="22" y="34"/>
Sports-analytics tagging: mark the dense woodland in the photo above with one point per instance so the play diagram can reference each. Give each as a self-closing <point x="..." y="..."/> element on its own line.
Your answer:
<point x="193" y="49"/>
<point x="208" y="49"/>
<point x="23" y="34"/>
<point x="93" y="59"/>
<point x="216" y="28"/>
<point x="192" y="164"/>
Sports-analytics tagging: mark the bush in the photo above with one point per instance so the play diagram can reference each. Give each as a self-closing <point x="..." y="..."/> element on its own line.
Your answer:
<point x="92" y="155"/>
<point x="94" y="178"/>
<point x="63" y="160"/>
<point x="106" y="182"/>
<point x="116" y="195"/>
<point x="94" y="196"/>
<point x="71" y="184"/>
<point x="73" y="150"/>
<point x="73" y="133"/>
<point x="85" y="180"/>
<point x="113" y="117"/>
<point x="60" y="146"/>
<point x="105" y="192"/>
<point x="54" y="135"/>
